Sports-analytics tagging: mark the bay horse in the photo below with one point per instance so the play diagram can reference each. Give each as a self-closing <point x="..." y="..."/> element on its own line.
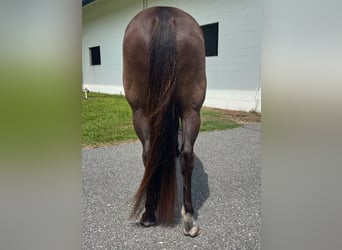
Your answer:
<point x="165" y="82"/>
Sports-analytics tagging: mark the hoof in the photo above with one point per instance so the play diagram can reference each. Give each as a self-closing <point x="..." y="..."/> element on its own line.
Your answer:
<point x="189" y="225"/>
<point x="147" y="223"/>
<point x="193" y="232"/>
<point x="148" y="220"/>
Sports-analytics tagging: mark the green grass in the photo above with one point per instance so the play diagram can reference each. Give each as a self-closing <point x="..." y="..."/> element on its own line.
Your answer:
<point x="107" y="119"/>
<point x="215" y="120"/>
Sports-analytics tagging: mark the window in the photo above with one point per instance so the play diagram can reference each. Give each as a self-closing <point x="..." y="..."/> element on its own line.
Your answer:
<point x="210" y="32"/>
<point x="95" y="55"/>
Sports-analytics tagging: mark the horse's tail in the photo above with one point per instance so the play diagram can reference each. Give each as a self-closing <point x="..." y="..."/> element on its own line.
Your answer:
<point x="159" y="179"/>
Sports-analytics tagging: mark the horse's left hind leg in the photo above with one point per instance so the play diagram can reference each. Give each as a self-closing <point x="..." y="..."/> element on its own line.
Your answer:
<point x="190" y="129"/>
<point x="143" y="131"/>
<point x="148" y="218"/>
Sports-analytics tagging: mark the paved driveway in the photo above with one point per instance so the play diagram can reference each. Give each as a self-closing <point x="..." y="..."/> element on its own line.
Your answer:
<point x="226" y="195"/>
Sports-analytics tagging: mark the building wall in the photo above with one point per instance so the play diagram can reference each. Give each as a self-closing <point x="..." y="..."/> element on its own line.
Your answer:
<point x="233" y="76"/>
<point x="104" y="23"/>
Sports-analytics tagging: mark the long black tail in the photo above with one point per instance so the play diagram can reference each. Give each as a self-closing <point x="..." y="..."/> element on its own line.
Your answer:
<point x="160" y="172"/>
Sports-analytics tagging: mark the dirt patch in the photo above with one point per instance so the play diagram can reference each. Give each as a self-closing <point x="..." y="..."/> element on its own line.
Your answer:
<point x="240" y="117"/>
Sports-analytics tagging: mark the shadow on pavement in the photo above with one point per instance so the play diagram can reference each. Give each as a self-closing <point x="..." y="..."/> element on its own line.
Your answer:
<point x="200" y="188"/>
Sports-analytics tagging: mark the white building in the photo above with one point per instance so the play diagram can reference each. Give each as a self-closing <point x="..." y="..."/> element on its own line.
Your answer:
<point x="233" y="37"/>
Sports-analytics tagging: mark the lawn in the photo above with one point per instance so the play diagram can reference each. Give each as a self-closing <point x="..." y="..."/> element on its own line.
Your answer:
<point x="107" y="119"/>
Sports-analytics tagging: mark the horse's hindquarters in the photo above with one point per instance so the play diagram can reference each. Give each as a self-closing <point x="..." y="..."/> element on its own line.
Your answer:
<point x="164" y="80"/>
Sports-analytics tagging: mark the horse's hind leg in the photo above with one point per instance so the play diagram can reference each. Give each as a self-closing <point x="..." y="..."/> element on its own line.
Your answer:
<point x="190" y="129"/>
<point x="143" y="131"/>
<point x="148" y="218"/>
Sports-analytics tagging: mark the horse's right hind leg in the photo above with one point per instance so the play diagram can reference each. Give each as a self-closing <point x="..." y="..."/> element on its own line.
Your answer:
<point x="143" y="131"/>
<point x="190" y="129"/>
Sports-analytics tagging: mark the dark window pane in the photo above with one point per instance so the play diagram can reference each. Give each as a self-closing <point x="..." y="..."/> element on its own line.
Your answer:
<point x="210" y="32"/>
<point x="95" y="55"/>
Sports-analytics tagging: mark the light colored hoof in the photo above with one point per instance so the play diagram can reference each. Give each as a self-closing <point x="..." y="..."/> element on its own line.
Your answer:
<point x="193" y="232"/>
<point x="189" y="225"/>
<point x="147" y="223"/>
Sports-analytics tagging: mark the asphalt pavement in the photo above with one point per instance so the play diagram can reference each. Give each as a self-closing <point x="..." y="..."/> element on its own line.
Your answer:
<point x="226" y="195"/>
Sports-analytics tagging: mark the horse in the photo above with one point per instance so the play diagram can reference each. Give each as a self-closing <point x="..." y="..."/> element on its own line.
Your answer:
<point x="164" y="81"/>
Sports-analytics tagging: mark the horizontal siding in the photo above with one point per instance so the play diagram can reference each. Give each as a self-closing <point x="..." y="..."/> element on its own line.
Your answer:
<point x="104" y="23"/>
<point x="234" y="99"/>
